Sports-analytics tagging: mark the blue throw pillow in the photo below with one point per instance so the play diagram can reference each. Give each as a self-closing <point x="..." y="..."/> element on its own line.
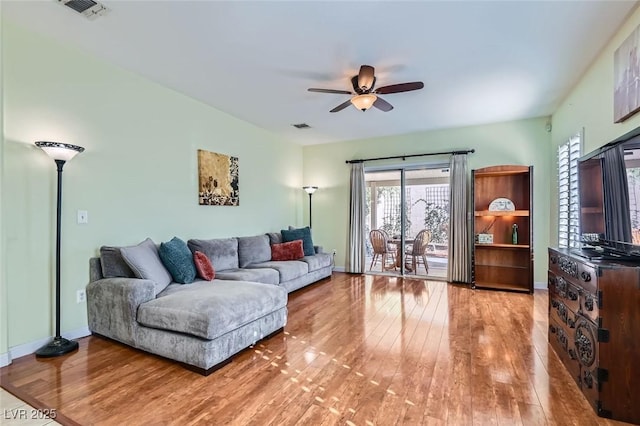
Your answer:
<point x="303" y="234"/>
<point x="178" y="259"/>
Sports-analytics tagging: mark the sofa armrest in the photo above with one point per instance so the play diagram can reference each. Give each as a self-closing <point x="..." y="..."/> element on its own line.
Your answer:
<point x="318" y="249"/>
<point x="112" y="306"/>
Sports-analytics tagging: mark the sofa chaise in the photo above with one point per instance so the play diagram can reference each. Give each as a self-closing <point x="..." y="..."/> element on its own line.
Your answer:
<point x="204" y="323"/>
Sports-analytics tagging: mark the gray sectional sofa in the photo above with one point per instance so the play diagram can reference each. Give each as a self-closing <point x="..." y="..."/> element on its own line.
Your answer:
<point x="204" y="323"/>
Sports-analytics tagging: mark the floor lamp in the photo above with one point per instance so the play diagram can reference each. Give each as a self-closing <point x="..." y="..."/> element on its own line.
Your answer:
<point x="310" y="190"/>
<point x="61" y="153"/>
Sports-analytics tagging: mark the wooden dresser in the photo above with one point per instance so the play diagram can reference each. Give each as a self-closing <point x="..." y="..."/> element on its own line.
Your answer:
<point x="594" y="327"/>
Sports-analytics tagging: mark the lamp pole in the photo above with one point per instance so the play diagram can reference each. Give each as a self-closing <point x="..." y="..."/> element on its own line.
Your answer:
<point x="310" y="190"/>
<point x="61" y="153"/>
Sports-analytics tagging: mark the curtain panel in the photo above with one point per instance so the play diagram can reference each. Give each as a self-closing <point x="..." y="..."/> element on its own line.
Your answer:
<point x="459" y="266"/>
<point x="355" y="260"/>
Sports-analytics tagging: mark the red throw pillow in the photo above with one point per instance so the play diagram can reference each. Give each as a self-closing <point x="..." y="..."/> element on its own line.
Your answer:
<point x="203" y="266"/>
<point x="287" y="251"/>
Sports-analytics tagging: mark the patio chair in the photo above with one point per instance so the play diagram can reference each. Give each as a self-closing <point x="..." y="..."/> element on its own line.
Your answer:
<point x="381" y="250"/>
<point x="417" y="252"/>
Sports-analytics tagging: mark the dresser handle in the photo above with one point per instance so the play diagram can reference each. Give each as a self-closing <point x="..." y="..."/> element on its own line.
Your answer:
<point x="572" y="354"/>
<point x="588" y="304"/>
<point x="585" y="276"/>
<point x="572" y="295"/>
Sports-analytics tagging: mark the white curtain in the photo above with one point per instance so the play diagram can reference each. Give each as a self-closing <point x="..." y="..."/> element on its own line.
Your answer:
<point x="459" y="266"/>
<point x="355" y="261"/>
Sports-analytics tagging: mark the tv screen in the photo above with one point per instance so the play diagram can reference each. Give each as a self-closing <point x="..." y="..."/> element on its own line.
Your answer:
<point x="590" y="180"/>
<point x="609" y="197"/>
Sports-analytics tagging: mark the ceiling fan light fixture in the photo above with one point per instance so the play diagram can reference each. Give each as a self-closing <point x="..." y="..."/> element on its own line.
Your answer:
<point x="364" y="102"/>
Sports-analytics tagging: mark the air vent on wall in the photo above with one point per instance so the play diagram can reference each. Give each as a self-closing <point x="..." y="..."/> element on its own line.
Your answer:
<point x="88" y="8"/>
<point x="301" y="126"/>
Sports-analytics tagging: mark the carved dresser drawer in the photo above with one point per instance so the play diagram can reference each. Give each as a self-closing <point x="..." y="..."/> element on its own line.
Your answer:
<point x="594" y="328"/>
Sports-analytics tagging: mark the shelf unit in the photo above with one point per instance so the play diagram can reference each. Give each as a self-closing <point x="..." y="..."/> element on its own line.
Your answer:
<point x="503" y="265"/>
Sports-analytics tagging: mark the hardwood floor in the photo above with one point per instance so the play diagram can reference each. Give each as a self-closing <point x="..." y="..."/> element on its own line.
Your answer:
<point x="357" y="350"/>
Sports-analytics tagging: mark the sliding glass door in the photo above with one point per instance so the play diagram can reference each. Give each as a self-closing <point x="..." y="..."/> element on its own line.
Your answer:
<point x="409" y="207"/>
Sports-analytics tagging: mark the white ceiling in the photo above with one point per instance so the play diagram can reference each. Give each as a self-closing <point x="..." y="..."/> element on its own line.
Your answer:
<point x="480" y="61"/>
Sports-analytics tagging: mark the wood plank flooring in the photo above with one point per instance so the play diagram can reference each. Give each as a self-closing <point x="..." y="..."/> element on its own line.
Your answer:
<point x="357" y="350"/>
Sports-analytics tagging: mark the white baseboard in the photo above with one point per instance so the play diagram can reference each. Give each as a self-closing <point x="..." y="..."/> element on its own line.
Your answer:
<point x="4" y="359"/>
<point x="31" y="347"/>
<point x="338" y="268"/>
<point x="540" y="285"/>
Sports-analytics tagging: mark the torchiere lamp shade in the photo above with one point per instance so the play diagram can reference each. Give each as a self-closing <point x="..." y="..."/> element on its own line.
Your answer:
<point x="310" y="190"/>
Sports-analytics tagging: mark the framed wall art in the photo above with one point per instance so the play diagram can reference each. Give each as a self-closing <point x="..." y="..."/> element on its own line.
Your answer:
<point x="217" y="179"/>
<point x="626" y="74"/>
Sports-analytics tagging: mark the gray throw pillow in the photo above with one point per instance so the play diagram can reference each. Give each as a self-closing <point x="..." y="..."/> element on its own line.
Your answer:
<point x="253" y="250"/>
<point x="112" y="263"/>
<point x="145" y="263"/>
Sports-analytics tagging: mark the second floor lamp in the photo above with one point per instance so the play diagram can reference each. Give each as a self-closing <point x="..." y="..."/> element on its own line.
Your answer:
<point x="310" y="190"/>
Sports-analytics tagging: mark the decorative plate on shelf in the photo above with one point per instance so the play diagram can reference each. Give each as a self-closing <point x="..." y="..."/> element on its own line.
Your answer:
<point x="502" y="205"/>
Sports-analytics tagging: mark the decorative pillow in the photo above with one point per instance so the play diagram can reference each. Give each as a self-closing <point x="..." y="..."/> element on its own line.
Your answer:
<point x="177" y="258"/>
<point x="203" y="266"/>
<point x="274" y="237"/>
<point x="145" y="263"/>
<point x="112" y="263"/>
<point x="253" y="250"/>
<point x="303" y="234"/>
<point x="287" y="251"/>
<point x="222" y="252"/>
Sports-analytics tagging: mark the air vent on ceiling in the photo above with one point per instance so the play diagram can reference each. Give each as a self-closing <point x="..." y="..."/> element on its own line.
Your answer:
<point x="301" y="126"/>
<point x="88" y="8"/>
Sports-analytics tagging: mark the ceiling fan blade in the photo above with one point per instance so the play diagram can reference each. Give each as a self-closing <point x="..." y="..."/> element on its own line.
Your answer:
<point x="402" y="87"/>
<point x="341" y="106"/>
<point x="366" y="77"/>
<point x="382" y="105"/>
<point x="340" y="92"/>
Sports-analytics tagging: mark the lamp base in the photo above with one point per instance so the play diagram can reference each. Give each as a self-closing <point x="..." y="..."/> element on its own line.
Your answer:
<point x="58" y="346"/>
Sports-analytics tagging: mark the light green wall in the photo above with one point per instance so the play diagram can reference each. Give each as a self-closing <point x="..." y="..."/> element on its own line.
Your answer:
<point x="137" y="177"/>
<point x="523" y="142"/>
<point x="590" y="106"/>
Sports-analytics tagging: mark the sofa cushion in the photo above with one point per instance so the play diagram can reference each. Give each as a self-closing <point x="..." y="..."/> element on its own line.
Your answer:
<point x="262" y="275"/>
<point x="222" y="252"/>
<point x="204" y="268"/>
<point x="112" y="263"/>
<point x="303" y="234"/>
<point x="145" y="263"/>
<point x="211" y="309"/>
<point x="274" y="237"/>
<point x="288" y="270"/>
<point x="287" y="251"/>
<point x="178" y="260"/>
<point x="253" y="250"/>
<point x="318" y="261"/>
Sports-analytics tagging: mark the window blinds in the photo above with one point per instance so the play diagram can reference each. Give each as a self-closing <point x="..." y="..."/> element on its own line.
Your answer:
<point x="568" y="210"/>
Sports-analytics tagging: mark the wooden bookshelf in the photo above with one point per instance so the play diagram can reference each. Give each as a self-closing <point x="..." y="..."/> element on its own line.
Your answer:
<point x="503" y="265"/>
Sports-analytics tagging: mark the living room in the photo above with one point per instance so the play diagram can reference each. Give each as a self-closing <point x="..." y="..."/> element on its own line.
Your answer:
<point x="138" y="175"/>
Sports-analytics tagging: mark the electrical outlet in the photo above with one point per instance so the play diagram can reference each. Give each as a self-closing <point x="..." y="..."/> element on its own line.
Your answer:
<point x="334" y="251"/>
<point x="81" y="296"/>
<point x="83" y="216"/>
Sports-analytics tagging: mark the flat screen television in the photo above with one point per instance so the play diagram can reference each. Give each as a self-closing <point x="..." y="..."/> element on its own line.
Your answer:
<point x="609" y="199"/>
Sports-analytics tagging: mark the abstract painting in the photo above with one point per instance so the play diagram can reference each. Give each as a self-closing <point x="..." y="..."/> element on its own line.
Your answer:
<point x="626" y="70"/>
<point x="217" y="179"/>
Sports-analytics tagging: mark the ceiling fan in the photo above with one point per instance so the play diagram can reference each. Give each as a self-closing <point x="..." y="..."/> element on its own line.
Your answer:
<point x="365" y="96"/>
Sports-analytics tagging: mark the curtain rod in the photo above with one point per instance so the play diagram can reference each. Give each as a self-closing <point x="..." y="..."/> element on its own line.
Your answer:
<point x="466" y="151"/>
